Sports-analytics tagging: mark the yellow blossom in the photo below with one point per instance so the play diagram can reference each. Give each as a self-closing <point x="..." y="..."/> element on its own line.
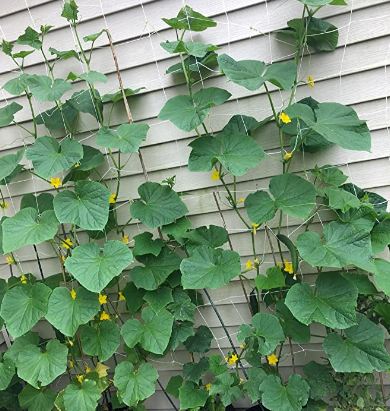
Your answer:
<point x="55" y="182"/>
<point x="233" y="359"/>
<point x="112" y="198"/>
<point x="254" y="225"/>
<point x="73" y="294"/>
<point x="208" y="387"/>
<point x="288" y="267"/>
<point x="63" y="258"/>
<point x="71" y="364"/>
<point x="285" y="118"/>
<point x="66" y="243"/>
<point x="125" y="239"/>
<point x="256" y="261"/>
<point x="248" y="264"/>
<point x="4" y="205"/>
<point x="80" y="378"/>
<point x="287" y="156"/>
<point x="10" y="260"/>
<point x="240" y="200"/>
<point x="310" y="81"/>
<point x="279" y="264"/>
<point x="242" y="346"/>
<point x="121" y="296"/>
<point x="77" y="165"/>
<point x="242" y="380"/>
<point x="87" y="369"/>
<point x="102" y="299"/>
<point x="215" y="175"/>
<point x="71" y="343"/>
<point x="23" y="279"/>
<point x="272" y="359"/>
<point x="104" y="316"/>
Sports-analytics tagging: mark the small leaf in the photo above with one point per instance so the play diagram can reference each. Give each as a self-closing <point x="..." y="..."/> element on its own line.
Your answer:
<point x="84" y="396"/>
<point x="127" y="138"/>
<point x="7" y="113"/>
<point x="7" y="371"/>
<point x="330" y="174"/>
<point x="43" y="89"/>
<point x="173" y="385"/>
<point x="134" y="297"/>
<point x="159" y="299"/>
<point x="30" y="38"/>
<point x="380" y="235"/>
<point x="362" y="283"/>
<point x="85" y="102"/>
<point x="16" y="86"/>
<point x="226" y="388"/>
<point x="64" y="55"/>
<point x="37" y="400"/>
<point x="193" y="371"/>
<point x="340" y="199"/>
<point x="118" y="96"/>
<point x="93" y="77"/>
<point x="70" y="10"/>
<point x="192" y="397"/>
<point x="189" y="19"/>
<point x="92" y="158"/>
<point x="192" y="48"/>
<point x="274" y="279"/>
<point x="215" y="365"/>
<point x="201" y="341"/>
<point x="42" y="202"/>
<point x="93" y="37"/>
<point x="256" y="376"/>
<point x="9" y="163"/>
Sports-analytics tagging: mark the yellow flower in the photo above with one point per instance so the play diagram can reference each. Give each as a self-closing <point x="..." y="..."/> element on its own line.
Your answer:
<point x="121" y="296"/>
<point x="23" y="279"/>
<point x="272" y="359"/>
<point x="10" y="260"/>
<point x="101" y="369"/>
<point x="288" y="267"/>
<point x="71" y="343"/>
<point x="66" y="243"/>
<point x="240" y="200"/>
<point x="248" y="264"/>
<point x="233" y="359"/>
<point x="112" y="198"/>
<point x="104" y="316"/>
<point x="310" y="81"/>
<point x="55" y="182"/>
<point x="279" y="264"/>
<point x="77" y="165"/>
<point x="102" y="299"/>
<point x="71" y="364"/>
<point x="285" y="118"/>
<point x="242" y="380"/>
<point x="87" y="369"/>
<point x="80" y="378"/>
<point x="242" y="346"/>
<point x="73" y="294"/>
<point x="63" y="258"/>
<point x="125" y="239"/>
<point x="287" y="156"/>
<point x="215" y="175"/>
<point x="256" y="261"/>
<point x="208" y="387"/>
<point x="254" y="225"/>
<point x="4" y="205"/>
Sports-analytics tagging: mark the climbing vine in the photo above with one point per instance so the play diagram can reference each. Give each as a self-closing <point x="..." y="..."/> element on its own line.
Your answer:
<point x="109" y="298"/>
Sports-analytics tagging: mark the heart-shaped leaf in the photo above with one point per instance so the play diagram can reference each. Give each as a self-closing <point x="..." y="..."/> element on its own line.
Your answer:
<point x="37" y="400"/>
<point x="30" y="38"/>
<point x="43" y="89"/>
<point x="273" y="279"/>
<point x="7" y="113"/>
<point x="9" y="162"/>
<point x="7" y="371"/>
<point x="189" y="19"/>
<point x="84" y="396"/>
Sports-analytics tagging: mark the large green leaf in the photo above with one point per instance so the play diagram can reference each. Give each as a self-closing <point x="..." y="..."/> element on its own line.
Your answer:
<point x="143" y="244"/>
<point x="7" y="371"/>
<point x="153" y="335"/>
<point x="181" y="331"/>
<point x="293" y="195"/>
<point x="236" y="152"/>
<point x="290" y="397"/>
<point x="18" y="345"/>
<point x="17" y="85"/>
<point x="252" y="386"/>
<point x="340" y="199"/>
<point x="24" y="306"/>
<point x="361" y="350"/>
<point x="84" y="102"/>
<point x="213" y="236"/>
<point x="84" y="396"/>
<point x="30" y="38"/>
<point x="135" y="385"/>
<point x="188" y="113"/>
<point x="49" y="157"/>
<point x="93" y="269"/>
<point x="35" y="366"/>
<point x="155" y="270"/>
<point x="25" y="228"/>
<point x="9" y="162"/>
<point x="92" y="158"/>
<point x="333" y="303"/>
<point x="67" y="314"/>
<point x="320" y="380"/>
<point x="382" y="275"/>
<point x="209" y="268"/>
<point x="201" y="341"/>
<point x="43" y="89"/>
<point x="55" y="119"/>
<point x="101" y="340"/>
<point x="189" y="19"/>
<point x="182" y="307"/>
<point x="192" y="397"/>
<point x="252" y="74"/>
<point x="192" y="48"/>
<point x="42" y="202"/>
<point x="227" y="389"/>
<point x="266" y="331"/>
<point x="273" y="279"/>
<point x="7" y="113"/>
<point x="37" y="400"/>
<point x="159" y="205"/>
<point x="127" y="138"/>
<point x="194" y="371"/>
<point x="336" y="123"/>
<point x="380" y="236"/>
<point x="291" y="326"/>
<point x="343" y="245"/>
<point x="87" y="206"/>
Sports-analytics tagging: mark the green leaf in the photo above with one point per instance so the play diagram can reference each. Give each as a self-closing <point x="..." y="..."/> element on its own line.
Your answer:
<point x="37" y="400"/>
<point x="252" y="386"/>
<point x="182" y="308"/>
<point x="274" y="279"/>
<point x="333" y="304"/>
<point x="177" y="229"/>
<point x="35" y="366"/>
<point x="330" y="174"/>
<point x="30" y="38"/>
<point x="84" y="396"/>
<point x="49" y="157"/>
<point x="189" y="19"/>
<point x="362" y="349"/>
<point x="159" y="299"/>
<point x="43" y="89"/>
<point x="290" y="397"/>
<point x="24" y="306"/>
<point x="70" y="10"/>
<point x="143" y="244"/>
<point x="266" y="331"/>
<point x="380" y="236"/>
<point x="156" y="269"/>
<point x="191" y="397"/>
<point x="134" y="297"/>
<point x="298" y="332"/>
<point x="6" y="47"/>
<point x="87" y="206"/>
<point x="101" y="340"/>
<point x="180" y="332"/>
<point x="159" y="205"/>
<point x="293" y="195"/>
<point x="193" y="48"/>
<point x="317" y="406"/>
<point x="64" y="55"/>
<point x="252" y="74"/>
<point x="84" y="102"/>
<point x="241" y="124"/>
<point x="93" y="269"/>
<point x="93" y="37"/>
<point x="7" y="113"/>
<point x="42" y="202"/>
<point x="67" y="314"/>
<point x="224" y="386"/>
<point x="135" y="385"/>
<point x="93" y="77"/>
<point x="187" y="113"/>
<point x="18" y="345"/>
<point x="118" y="96"/>
<point x="362" y="283"/>
<point x="9" y="163"/>
<point x="54" y="119"/>
<point x="201" y="341"/>
<point x="92" y="158"/>
<point x="213" y="237"/>
<point x="194" y="371"/>
<point x="340" y="199"/>
<point x="195" y="64"/>
<point x="344" y="245"/>
<point x="236" y="152"/>
<point x="127" y="138"/>
<point x="16" y="86"/>
<point x="153" y="335"/>
<point x="209" y="268"/>
<point x="215" y="365"/>
<point x="382" y="275"/>
<point x="7" y="371"/>
<point x="317" y="3"/>
<point x="173" y="385"/>
<point x="22" y="54"/>
<point x="320" y="380"/>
